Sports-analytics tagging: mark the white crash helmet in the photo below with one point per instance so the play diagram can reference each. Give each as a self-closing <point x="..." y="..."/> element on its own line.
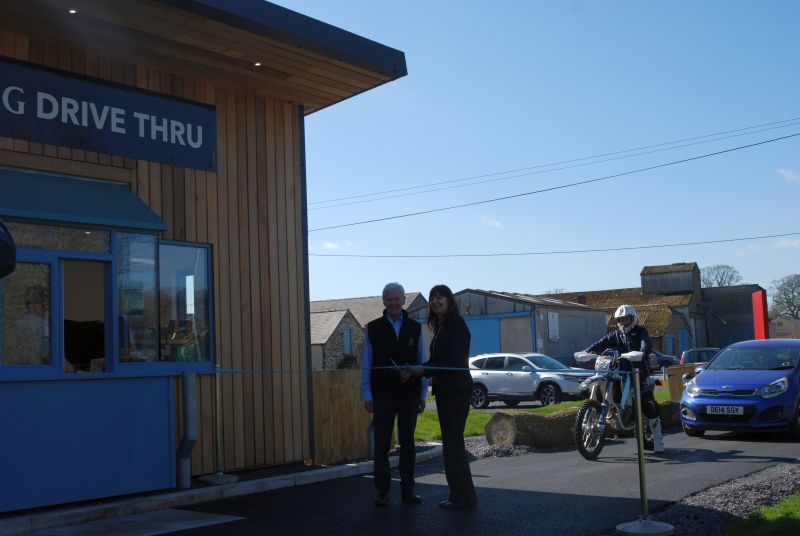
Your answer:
<point x="623" y="311"/>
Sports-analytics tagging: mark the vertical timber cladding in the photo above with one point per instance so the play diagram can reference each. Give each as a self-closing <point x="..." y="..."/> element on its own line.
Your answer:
<point x="250" y="210"/>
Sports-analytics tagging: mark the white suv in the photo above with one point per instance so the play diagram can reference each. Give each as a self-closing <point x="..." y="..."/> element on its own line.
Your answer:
<point x="515" y="377"/>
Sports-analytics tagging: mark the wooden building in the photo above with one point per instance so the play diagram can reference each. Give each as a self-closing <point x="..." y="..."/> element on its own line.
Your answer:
<point x="152" y="170"/>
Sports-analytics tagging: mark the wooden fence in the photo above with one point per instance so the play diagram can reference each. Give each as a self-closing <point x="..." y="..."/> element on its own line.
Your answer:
<point x="340" y="421"/>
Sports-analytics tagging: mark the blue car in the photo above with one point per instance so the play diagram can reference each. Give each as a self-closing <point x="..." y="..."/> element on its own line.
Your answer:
<point x="750" y="385"/>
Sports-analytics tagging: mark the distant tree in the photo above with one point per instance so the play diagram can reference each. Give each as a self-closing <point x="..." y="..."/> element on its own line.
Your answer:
<point x="555" y="291"/>
<point x="719" y="275"/>
<point x="786" y="297"/>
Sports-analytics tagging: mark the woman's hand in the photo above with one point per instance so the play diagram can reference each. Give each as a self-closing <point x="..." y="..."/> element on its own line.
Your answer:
<point x="416" y="370"/>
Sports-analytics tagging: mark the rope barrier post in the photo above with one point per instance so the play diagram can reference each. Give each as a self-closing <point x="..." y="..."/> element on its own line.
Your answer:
<point x="643" y="525"/>
<point x="637" y="389"/>
<point x="219" y="477"/>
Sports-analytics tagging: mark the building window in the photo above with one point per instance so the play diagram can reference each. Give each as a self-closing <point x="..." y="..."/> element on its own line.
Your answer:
<point x="137" y="298"/>
<point x="84" y="301"/>
<point x="31" y="235"/>
<point x="184" y="302"/>
<point x="348" y="341"/>
<point x="85" y="326"/>
<point x="25" y="319"/>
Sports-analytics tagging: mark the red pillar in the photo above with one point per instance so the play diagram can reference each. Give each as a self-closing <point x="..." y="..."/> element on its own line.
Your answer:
<point x="760" y="318"/>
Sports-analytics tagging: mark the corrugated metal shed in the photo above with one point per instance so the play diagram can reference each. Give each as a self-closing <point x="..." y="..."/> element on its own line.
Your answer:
<point x="528" y="299"/>
<point x="613" y="298"/>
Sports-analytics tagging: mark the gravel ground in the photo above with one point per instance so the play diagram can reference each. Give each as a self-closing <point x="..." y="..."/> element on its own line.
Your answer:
<point x="708" y="512"/>
<point x="478" y="448"/>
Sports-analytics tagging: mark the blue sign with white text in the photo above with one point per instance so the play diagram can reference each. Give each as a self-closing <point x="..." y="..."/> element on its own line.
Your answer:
<point x="62" y="109"/>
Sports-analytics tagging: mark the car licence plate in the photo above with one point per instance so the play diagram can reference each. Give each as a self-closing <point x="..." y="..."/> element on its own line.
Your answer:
<point x="725" y="410"/>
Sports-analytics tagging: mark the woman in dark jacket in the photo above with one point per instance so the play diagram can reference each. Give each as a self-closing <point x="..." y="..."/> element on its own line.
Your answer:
<point x="453" y="389"/>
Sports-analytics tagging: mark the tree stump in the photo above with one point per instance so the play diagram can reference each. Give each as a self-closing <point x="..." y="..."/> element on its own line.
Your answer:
<point x="553" y="430"/>
<point x="669" y="418"/>
<point x="539" y="431"/>
<point x="670" y="415"/>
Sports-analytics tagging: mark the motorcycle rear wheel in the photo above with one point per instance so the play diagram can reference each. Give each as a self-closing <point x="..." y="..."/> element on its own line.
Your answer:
<point x="588" y="440"/>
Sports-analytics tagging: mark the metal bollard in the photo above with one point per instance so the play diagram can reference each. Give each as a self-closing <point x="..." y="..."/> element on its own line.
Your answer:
<point x="643" y="525"/>
<point x="640" y="443"/>
<point x="189" y="430"/>
<point x="219" y="477"/>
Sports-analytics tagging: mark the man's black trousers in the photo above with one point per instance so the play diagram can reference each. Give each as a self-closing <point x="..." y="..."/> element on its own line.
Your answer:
<point x="384" y="412"/>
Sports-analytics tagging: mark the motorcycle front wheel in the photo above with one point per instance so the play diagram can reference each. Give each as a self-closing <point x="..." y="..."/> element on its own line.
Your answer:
<point x="588" y="438"/>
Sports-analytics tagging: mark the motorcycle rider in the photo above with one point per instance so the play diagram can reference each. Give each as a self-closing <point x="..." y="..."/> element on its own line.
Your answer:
<point x="631" y="337"/>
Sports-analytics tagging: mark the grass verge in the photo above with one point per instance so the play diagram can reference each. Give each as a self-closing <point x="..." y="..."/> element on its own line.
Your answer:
<point x="428" y="423"/>
<point x="778" y="520"/>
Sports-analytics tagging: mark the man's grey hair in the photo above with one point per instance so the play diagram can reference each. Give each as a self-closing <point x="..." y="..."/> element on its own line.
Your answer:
<point x="391" y="287"/>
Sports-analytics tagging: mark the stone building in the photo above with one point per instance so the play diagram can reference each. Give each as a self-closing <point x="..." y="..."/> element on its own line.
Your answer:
<point x="337" y="340"/>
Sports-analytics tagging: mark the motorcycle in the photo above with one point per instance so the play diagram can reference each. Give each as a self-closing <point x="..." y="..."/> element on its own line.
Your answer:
<point x="610" y="404"/>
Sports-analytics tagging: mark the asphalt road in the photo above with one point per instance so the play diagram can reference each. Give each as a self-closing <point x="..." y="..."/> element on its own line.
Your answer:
<point x="554" y="492"/>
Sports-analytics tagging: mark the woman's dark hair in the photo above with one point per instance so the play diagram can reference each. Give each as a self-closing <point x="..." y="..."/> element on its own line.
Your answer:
<point x="442" y="291"/>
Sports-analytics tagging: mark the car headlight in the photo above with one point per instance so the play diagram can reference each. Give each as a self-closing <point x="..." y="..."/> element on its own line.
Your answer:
<point x="572" y="377"/>
<point x="778" y="387"/>
<point x="692" y="389"/>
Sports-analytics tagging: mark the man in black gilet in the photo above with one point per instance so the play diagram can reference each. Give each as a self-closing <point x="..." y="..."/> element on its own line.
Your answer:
<point x="393" y="340"/>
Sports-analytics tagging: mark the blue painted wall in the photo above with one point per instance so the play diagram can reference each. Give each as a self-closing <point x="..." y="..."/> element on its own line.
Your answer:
<point x="65" y="441"/>
<point x="485" y="335"/>
<point x="683" y="341"/>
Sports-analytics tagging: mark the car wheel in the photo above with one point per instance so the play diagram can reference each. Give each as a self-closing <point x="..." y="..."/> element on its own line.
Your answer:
<point x="549" y="393"/>
<point x="511" y="403"/>
<point x="693" y="432"/>
<point x="480" y="397"/>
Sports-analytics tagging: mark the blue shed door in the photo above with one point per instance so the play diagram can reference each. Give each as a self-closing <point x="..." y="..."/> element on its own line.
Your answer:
<point x="669" y="344"/>
<point x="485" y="335"/>
<point x="683" y="340"/>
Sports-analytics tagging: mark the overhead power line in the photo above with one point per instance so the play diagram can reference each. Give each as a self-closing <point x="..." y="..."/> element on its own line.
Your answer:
<point x="540" y="172"/>
<point x="558" y="163"/>
<point x="543" y="171"/>
<point x="553" y="188"/>
<point x="557" y="252"/>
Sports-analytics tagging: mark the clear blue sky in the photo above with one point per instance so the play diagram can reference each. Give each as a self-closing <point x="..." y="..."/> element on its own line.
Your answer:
<point x="498" y="86"/>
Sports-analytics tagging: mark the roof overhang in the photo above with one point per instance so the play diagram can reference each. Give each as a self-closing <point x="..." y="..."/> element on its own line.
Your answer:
<point x="302" y="60"/>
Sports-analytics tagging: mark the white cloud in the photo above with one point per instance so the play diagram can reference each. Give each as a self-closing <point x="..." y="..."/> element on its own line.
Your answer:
<point x="788" y="243"/>
<point x="330" y="245"/>
<point x="750" y="249"/>
<point x="789" y="174"/>
<point x="488" y="221"/>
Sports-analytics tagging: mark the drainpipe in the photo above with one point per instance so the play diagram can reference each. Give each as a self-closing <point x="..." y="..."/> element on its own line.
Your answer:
<point x="189" y="430"/>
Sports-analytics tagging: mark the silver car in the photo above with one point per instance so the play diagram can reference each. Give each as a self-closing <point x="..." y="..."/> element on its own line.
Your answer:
<point x="516" y="377"/>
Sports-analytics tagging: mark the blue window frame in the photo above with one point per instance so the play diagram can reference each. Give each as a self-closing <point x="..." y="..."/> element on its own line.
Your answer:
<point x="155" y="363"/>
